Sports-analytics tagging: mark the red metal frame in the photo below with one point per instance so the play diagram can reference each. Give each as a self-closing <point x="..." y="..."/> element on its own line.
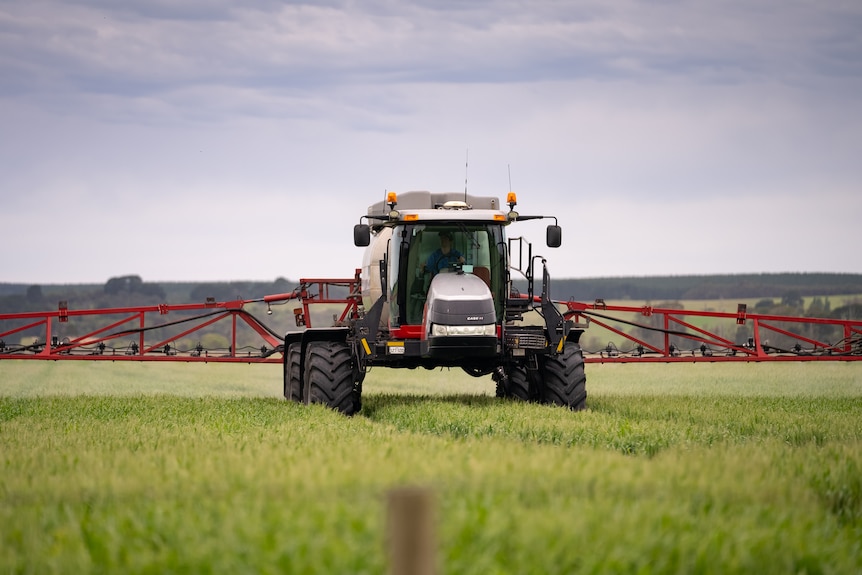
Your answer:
<point x="307" y="295"/>
<point x="87" y="346"/>
<point x="317" y="291"/>
<point x="754" y="350"/>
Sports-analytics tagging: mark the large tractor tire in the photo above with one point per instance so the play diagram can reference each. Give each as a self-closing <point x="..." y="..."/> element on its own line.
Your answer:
<point x="515" y="385"/>
<point x="563" y="379"/>
<point x="329" y="374"/>
<point x="292" y="380"/>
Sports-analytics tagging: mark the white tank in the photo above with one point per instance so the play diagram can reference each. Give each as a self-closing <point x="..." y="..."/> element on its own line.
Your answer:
<point x="371" y="288"/>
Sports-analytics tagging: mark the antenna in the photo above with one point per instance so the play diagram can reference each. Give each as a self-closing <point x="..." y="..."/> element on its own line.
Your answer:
<point x="509" y="169"/>
<point x="466" y="165"/>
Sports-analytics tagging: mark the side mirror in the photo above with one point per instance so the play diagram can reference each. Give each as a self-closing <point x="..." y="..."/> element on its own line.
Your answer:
<point x="361" y="235"/>
<point x="554" y="236"/>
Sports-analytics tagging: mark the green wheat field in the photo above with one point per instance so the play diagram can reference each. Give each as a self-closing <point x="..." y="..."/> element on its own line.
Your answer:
<point x="203" y="468"/>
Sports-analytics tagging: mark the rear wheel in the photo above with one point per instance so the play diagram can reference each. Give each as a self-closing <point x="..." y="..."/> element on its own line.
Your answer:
<point x="563" y="378"/>
<point x="514" y="384"/>
<point x="330" y="376"/>
<point x="292" y="383"/>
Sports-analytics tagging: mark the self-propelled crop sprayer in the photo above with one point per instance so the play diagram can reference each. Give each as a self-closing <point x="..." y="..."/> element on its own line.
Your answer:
<point x="438" y="288"/>
<point x="437" y="292"/>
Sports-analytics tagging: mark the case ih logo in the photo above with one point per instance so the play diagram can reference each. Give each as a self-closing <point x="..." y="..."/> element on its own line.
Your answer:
<point x="475" y="317"/>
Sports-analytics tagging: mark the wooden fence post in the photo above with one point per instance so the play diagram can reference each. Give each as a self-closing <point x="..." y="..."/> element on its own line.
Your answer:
<point x="411" y="531"/>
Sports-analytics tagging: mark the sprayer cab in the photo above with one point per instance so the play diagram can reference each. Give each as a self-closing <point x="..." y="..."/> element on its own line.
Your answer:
<point x="438" y="266"/>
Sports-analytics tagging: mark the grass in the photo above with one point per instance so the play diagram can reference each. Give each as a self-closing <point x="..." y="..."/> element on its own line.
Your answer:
<point x="153" y="468"/>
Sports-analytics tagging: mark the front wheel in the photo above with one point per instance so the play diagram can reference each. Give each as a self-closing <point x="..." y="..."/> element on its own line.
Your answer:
<point x="563" y="378"/>
<point x="330" y="376"/>
<point x="292" y="381"/>
<point x="514" y="383"/>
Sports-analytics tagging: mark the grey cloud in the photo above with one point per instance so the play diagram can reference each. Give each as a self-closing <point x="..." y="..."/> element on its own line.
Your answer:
<point x="595" y="103"/>
<point x="158" y="49"/>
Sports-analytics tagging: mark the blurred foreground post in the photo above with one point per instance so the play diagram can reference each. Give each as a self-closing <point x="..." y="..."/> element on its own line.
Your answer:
<point x="411" y="537"/>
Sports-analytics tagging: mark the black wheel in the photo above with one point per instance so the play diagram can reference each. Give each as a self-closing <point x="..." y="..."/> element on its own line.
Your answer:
<point x="514" y="384"/>
<point x="292" y="384"/>
<point x="563" y="378"/>
<point x="330" y="377"/>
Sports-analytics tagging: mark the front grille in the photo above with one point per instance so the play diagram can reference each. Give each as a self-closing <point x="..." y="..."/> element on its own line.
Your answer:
<point x="526" y="340"/>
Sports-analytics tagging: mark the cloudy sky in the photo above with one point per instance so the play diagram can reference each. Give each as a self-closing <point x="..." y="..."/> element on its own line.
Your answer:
<point x="186" y="140"/>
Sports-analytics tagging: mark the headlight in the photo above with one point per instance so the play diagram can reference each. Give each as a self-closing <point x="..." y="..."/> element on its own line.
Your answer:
<point x="446" y="330"/>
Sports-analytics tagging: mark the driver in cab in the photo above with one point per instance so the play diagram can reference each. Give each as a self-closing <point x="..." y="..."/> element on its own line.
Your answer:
<point x="444" y="257"/>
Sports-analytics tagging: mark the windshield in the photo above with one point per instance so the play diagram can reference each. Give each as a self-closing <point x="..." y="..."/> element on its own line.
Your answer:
<point x="424" y="250"/>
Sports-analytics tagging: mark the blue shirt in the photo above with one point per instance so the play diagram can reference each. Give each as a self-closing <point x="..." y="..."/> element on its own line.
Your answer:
<point x="440" y="261"/>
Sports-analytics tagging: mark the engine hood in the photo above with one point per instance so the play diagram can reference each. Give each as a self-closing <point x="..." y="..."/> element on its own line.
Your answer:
<point x="459" y="299"/>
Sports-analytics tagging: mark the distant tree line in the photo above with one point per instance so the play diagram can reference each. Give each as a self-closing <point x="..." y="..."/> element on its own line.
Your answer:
<point x="133" y="285"/>
<point x="741" y="286"/>
<point x="225" y="291"/>
<point x="130" y="290"/>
